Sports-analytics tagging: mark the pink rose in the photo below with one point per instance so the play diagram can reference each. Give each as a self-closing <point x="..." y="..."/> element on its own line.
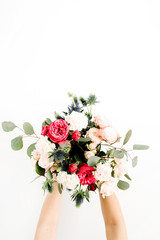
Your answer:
<point x="72" y="168"/>
<point x="102" y="121"/>
<point x="76" y="135"/>
<point x="58" y="131"/>
<point x="88" y="154"/>
<point x="109" y="134"/>
<point x="44" y="130"/>
<point x="92" y="146"/>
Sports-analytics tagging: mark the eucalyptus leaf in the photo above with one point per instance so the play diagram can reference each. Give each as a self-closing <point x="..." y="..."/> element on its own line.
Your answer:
<point x="49" y="174"/>
<point x="8" y="126"/>
<point x="28" y="129"/>
<point x="118" y="154"/>
<point x="84" y="140"/>
<point x="127" y="137"/>
<point x="30" y="149"/>
<point x="92" y="161"/>
<point x="127" y="176"/>
<point x="48" y="121"/>
<point x="122" y="185"/>
<point x="59" y="188"/>
<point x="17" y="143"/>
<point x="39" y="170"/>
<point x="140" y="147"/>
<point x="134" y="161"/>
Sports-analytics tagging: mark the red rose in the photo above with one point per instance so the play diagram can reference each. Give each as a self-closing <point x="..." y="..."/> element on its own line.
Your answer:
<point x="58" y="131"/>
<point x="92" y="187"/>
<point x="85" y="174"/>
<point x="72" y="168"/>
<point x="76" y="135"/>
<point x="44" y="130"/>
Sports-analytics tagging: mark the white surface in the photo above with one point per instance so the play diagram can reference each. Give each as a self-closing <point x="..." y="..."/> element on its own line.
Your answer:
<point x="110" y="48"/>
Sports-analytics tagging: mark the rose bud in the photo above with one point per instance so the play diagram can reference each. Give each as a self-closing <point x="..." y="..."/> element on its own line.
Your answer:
<point x="72" y="168"/>
<point x="44" y="130"/>
<point x="76" y="135"/>
<point x="92" y="187"/>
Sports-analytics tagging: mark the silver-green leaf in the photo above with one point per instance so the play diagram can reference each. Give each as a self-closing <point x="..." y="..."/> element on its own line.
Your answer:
<point x="127" y="176"/>
<point x="17" y="143"/>
<point x="30" y="149"/>
<point x="92" y="161"/>
<point x="122" y="185"/>
<point x="140" y="147"/>
<point x="8" y="126"/>
<point x="134" y="161"/>
<point x="118" y="154"/>
<point x="127" y="137"/>
<point x="28" y="129"/>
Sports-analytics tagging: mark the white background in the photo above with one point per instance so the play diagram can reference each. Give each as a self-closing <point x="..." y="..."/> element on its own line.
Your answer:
<point x="110" y="48"/>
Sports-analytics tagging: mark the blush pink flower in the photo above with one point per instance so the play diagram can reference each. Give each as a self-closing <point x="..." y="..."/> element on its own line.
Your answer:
<point x="121" y="168"/>
<point x="109" y="134"/>
<point x="102" y="121"/>
<point x="36" y="155"/>
<point x="44" y="161"/>
<point x="103" y="172"/>
<point x="88" y="154"/>
<point x="107" y="188"/>
<point x="94" y="134"/>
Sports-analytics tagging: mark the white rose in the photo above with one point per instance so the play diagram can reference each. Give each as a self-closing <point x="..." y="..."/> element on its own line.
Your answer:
<point x="77" y="121"/>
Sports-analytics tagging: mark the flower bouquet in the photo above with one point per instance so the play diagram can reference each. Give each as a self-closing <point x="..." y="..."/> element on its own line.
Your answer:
<point x="78" y="151"/>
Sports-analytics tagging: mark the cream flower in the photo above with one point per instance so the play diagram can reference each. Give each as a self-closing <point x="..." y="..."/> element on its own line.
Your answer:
<point x="121" y="168"/>
<point x="109" y="134"/>
<point x="103" y="172"/>
<point x="107" y="188"/>
<point x="69" y="181"/>
<point x="77" y="121"/>
<point x="44" y="161"/>
<point x="43" y="145"/>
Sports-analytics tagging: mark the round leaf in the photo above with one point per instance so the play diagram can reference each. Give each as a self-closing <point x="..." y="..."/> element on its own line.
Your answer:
<point x="140" y="147"/>
<point x="118" y="154"/>
<point x="39" y="170"/>
<point x="122" y="185"/>
<point x="30" y="149"/>
<point x="127" y="137"/>
<point x="28" y="129"/>
<point x="92" y="161"/>
<point x="8" y="126"/>
<point x="17" y="143"/>
<point x="134" y="161"/>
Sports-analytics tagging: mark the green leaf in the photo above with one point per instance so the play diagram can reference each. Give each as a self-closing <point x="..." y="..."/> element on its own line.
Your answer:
<point x="28" y="129"/>
<point x="122" y="185"/>
<point x="17" y="143"/>
<point x="39" y="170"/>
<point x="84" y="140"/>
<point x="49" y="174"/>
<point x="134" y="161"/>
<point x="30" y="149"/>
<point x="140" y="147"/>
<point x="118" y="154"/>
<point x="59" y="188"/>
<point x="8" y="126"/>
<point x="35" y="179"/>
<point x="128" y="177"/>
<point x="92" y="161"/>
<point x="127" y="137"/>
